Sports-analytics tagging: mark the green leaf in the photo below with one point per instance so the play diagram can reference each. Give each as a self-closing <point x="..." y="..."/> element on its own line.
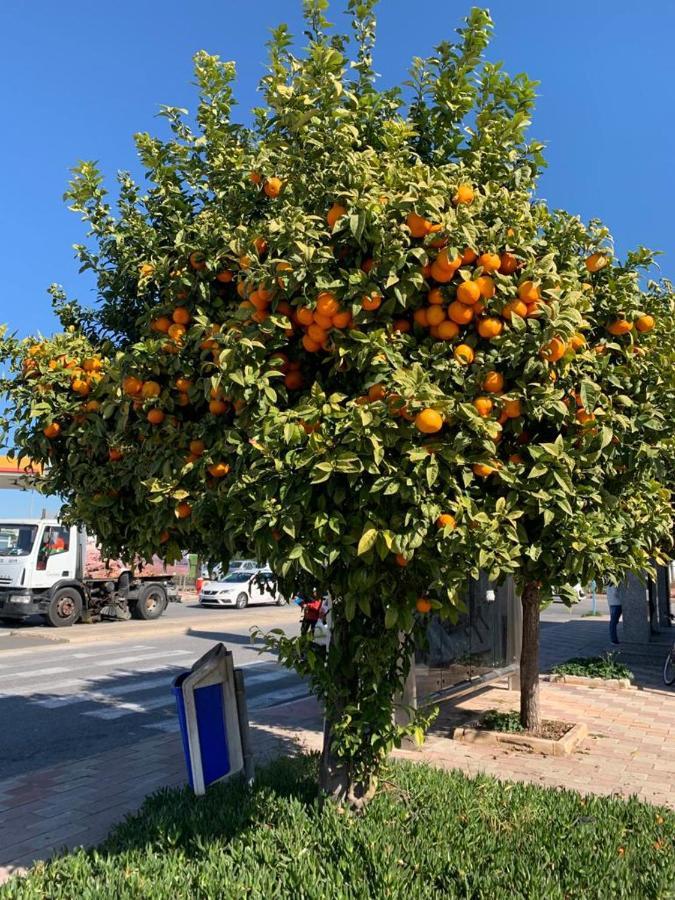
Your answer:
<point x="390" y="617"/>
<point x="367" y="540"/>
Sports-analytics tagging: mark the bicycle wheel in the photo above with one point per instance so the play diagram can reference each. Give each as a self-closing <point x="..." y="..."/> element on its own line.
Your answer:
<point x="669" y="668"/>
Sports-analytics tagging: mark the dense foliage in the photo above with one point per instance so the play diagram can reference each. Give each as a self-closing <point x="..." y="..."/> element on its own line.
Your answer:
<point x="346" y="339"/>
<point x="606" y="666"/>
<point x="431" y="834"/>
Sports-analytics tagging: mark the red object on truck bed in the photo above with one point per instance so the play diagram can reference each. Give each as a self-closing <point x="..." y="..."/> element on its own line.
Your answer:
<point x="98" y="569"/>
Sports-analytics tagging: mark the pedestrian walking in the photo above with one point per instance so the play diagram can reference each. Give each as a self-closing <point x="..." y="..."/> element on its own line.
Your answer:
<point x="615" y="611"/>
<point x="312" y="611"/>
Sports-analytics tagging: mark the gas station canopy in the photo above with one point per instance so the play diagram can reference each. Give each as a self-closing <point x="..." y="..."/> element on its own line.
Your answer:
<point x="18" y="473"/>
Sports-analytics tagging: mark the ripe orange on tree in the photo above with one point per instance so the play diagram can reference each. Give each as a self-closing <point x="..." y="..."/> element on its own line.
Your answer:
<point x="115" y="454"/>
<point x="272" y="187"/>
<point x="327" y="304"/>
<point x="463" y="195"/>
<point x="620" y="326"/>
<point x="445" y="520"/>
<point x="225" y="276"/>
<point x="52" y="430"/>
<point x="334" y="213"/>
<point x="419" y="226"/>
<point x="218" y="470"/>
<point x="644" y="323"/>
<point x="197" y="261"/>
<point x="528" y="292"/>
<point x="512" y="409"/>
<point x="483" y="470"/>
<point x="464" y="354"/>
<point x="447" y="330"/>
<point x="217" y="407"/>
<point x="459" y="313"/>
<point x="132" y="386"/>
<point x="517" y="307"/>
<point x="486" y="286"/>
<point x="428" y="421"/>
<point x="468" y="292"/>
<point x="435" y="297"/>
<point x="554" y="350"/>
<point x="483" y="406"/>
<point x="183" y="384"/>
<point x="150" y="389"/>
<point x="423" y="605"/>
<point x="435" y="315"/>
<point x="493" y="382"/>
<point x="197" y="447"/>
<point x="183" y="510"/>
<point x="80" y="386"/>
<point x="469" y="256"/>
<point x="371" y="302"/>
<point x="596" y="261"/>
<point x="490" y="262"/>
<point x="490" y="327"/>
<point x="181" y="315"/>
<point x="401" y="560"/>
<point x="508" y="264"/>
<point x="156" y="416"/>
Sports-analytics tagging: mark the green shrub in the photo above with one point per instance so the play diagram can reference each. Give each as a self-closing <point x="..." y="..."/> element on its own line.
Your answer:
<point x="501" y="721"/>
<point x="428" y="834"/>
<point x="594" y="667"/>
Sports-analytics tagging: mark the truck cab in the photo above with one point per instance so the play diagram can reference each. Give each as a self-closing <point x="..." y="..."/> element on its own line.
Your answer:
<point x="43" y="570"/>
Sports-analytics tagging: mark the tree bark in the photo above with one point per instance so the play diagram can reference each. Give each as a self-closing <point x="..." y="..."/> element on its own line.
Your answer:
<point x="530" y="716"/>
<point x="335" y="778"/>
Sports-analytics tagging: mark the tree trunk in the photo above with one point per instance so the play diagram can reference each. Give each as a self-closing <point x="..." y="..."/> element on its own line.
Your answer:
<point x="530" y="716"/>
<point x="335" y="779"/>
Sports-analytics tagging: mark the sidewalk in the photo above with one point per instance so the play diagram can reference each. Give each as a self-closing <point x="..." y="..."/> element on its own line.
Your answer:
<point x="628" y="751"/>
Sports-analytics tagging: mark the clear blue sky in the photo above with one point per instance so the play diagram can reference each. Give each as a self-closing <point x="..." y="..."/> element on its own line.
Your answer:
<point x="79" y="77"/>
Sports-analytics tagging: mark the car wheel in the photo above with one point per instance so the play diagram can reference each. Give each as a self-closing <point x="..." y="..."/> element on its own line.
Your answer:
<point x="151" y="602"/>
<point x="242" y="601"/>
<point x="65" y="608"/>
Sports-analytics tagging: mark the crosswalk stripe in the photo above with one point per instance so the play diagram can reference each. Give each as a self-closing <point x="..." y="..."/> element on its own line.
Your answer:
<point x="104" y="693"/>
<point x="126" y="709"/>
<point x="113" y="649"/>
<point x="55" y="670"/>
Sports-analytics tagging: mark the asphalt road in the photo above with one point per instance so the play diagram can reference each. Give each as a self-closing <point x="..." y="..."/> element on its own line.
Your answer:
<point x="66" y="694"/>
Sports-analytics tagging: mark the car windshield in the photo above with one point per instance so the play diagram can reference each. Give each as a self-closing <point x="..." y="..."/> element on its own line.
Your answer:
<point x="236" y="577"/>
<point x="17" y="540"/>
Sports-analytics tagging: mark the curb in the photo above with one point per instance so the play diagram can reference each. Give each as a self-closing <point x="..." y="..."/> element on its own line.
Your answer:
<point x="611" y="684"/>
<point x="564" y="746"/>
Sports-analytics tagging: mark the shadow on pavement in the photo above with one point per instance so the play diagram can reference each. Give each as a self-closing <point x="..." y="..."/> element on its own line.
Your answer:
<point x="584" y="637"/>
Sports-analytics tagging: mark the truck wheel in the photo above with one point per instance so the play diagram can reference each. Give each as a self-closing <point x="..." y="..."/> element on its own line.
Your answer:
<point x="151" y="602"/>
<point x="65" y="608"/>
<point x="241" y="601"/>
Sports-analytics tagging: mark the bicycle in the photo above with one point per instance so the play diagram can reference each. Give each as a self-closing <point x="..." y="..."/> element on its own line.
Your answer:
<point x="669" y="667"/>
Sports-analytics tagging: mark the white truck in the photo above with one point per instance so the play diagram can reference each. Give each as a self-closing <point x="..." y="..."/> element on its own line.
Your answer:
<point x="56" y="571"/>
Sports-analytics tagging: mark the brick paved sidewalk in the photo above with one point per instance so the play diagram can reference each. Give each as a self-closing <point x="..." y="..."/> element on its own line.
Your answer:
<point x="77" y="803"/>
<point x="629" y="750"/>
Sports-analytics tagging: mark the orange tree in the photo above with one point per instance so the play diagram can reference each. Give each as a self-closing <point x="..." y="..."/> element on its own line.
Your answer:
<point x="347" y="340"/>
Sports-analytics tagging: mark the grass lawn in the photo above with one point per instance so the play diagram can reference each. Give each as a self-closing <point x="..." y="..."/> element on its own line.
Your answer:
<point x="428" y="833"/>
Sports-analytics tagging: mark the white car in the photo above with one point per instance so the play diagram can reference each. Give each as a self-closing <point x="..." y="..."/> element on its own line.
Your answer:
<point x="241" y="587"/>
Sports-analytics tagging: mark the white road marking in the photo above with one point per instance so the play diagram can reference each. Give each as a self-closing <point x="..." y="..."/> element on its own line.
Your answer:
<point x="113" y="649"/>
<point x="161" y="654"/>
<point x="104" y="695"/>
<point x="39" y="673"/>
<point x="126" y="709"/>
